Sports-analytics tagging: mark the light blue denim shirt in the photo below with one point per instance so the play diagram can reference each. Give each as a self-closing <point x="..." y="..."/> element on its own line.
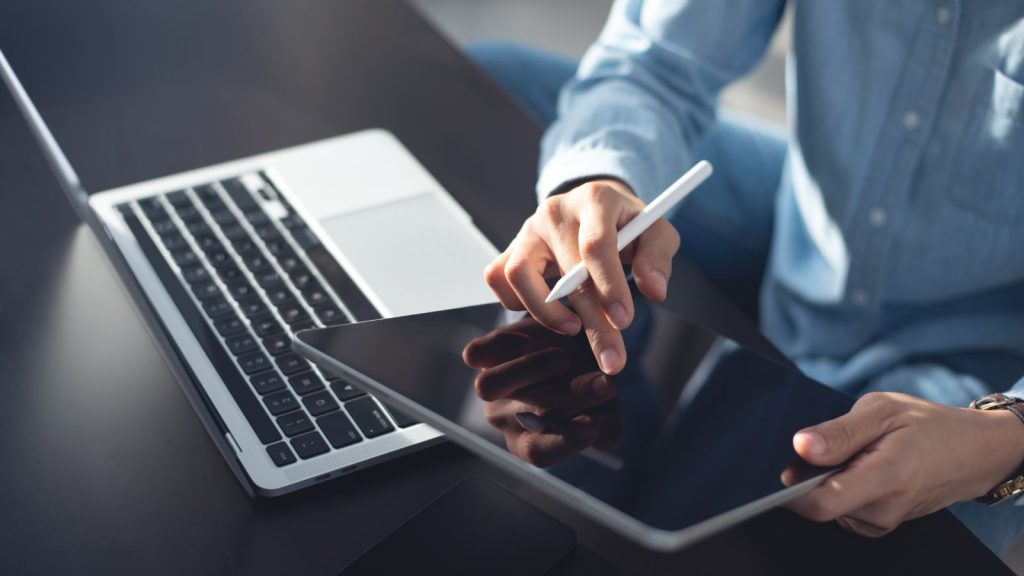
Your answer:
<point x="899" y="227"/>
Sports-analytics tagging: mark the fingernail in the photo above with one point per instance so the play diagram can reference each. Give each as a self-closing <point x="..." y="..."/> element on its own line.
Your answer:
<point x="609" y="359"/>
<point x="813" y="441"/>
<point x="601" y="386"/>
<point x="570" y="328"/>
<point x="659" y="281"/>
<point x="530" y="421"/>
<point x="617" y="314"/>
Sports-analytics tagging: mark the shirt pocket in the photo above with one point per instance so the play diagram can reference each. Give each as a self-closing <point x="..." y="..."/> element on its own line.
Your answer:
<point x="988" y="168"/>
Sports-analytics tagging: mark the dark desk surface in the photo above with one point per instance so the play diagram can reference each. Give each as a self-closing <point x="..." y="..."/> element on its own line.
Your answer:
<point x="104" y="467"/>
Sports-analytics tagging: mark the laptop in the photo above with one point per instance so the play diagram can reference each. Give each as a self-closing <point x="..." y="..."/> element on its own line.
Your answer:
<point x="227" y="262"/>
<point x="673" y="456"/>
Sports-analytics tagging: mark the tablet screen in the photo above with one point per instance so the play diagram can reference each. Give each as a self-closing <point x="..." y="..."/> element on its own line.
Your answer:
<point x="695" y="425"/>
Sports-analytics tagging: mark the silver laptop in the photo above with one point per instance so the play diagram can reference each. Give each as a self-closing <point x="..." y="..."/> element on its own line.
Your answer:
<point x="227" y="262"/>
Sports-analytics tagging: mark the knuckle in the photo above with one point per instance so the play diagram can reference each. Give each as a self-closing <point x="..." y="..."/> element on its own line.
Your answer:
<point x="494" y="274"/>
<point x="481" y="388"/>
<point x="595" y="244"/>
<point x="517" y="271"/>
<point x="550" y="209"/>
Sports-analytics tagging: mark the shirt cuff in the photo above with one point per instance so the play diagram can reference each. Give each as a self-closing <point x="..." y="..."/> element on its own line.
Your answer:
<point x="590" y="164"/>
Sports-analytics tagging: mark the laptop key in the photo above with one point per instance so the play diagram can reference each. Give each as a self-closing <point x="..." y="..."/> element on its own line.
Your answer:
<point x="228" y="326"/>
<point x="164" y="227"/>
<point x="255" y="261"/>
<point x="369" y="417"/>
<point x="345" y="391"/>
<point x="219" y="258"/>
<point x="320" y="403"/>
<point x="267" y="232"/>
<point x="309" y="445"/>
<point x="240" y="289"/>
<point x="305" y="383"/>
<point x="234" y="232"/>
<point x="400" y="418"/>
<point x="229" y="273"/>
<point x="207" y="243"/>
<point x="302" y="278"/>
<point x="194" y="274"/>
<point x="240" y="194"/>
<point x="189" y="214"/>
<point x="266" y="325"/>
<point x="330" y="314"/>
<point x="253" y="363"/>
<point x="206" y="193"/>
<point x="241" y="343"/>
<point x="223" y="217"/>
<point x="174" y="242"/>
<point x="267" y="382"/>
<point x="292" y="313"/>
<point x="205" y="290"/>
<point x="315" y="295"/>
<point x="198" y="228"/>
<point x="252" y="307"/>
<point x="305" y="238"/>
<point x="280" y="295"/>
<point x="278" y="344"/>
<point x="185" y="258"/>
<point x="339" y="429"/>
<point x="269" y="279"/>
<point x="152" y="207"/>
<point x="179" y="199"/>
<point x="295" y="423"/>
<point x="280" y="402"/>
<point x="291" y="364"/>
<point x="243" y="244"/>
<point x="256" y="217"/>
<point x="217" y="307"/>
<point x="280" y="248"/>
<point x="280" y="454"/>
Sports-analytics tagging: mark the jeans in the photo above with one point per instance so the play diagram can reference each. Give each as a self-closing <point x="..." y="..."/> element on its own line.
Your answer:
<point x="726" y="230"/>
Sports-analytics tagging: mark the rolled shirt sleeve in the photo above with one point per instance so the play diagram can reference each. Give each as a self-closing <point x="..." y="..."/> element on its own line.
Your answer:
<point x="647" y="90"/>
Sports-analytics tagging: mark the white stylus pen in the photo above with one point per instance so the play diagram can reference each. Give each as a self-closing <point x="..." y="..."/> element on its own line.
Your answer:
<point x="641" y="222"/>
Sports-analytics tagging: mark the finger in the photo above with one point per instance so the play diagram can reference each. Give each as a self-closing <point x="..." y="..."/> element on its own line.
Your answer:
<point x="494" y="276"/>
<point x="496" y="347"/>
<point x="610" y="426"/>
<point x="863" y="528"/>
<point x="606" y="342"/>
<point x="545" y="449"/>
<point x="556" y="401"/>
<point x="652" y="264"/>
<point x="598" y="237"/>
<point x="859" y="485"/>
<point x="524" y="272"/>
<point x="833" y="442"/>
<point x="499" y="382"/>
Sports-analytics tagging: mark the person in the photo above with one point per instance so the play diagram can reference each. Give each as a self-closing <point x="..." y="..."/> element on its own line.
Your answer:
<point x="877" y="240"/>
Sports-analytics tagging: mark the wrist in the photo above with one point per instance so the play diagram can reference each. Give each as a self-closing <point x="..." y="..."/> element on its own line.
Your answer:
<point x="1001" y="450"/>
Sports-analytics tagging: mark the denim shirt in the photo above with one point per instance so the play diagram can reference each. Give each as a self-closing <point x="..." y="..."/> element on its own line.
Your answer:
<point x="899" y="225"/>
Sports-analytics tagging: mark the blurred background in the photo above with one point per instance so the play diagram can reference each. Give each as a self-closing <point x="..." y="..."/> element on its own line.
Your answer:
<point x="567" y="27"/>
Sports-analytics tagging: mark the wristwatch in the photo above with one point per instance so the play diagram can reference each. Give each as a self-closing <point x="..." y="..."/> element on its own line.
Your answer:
<point x="1014" y="485"/>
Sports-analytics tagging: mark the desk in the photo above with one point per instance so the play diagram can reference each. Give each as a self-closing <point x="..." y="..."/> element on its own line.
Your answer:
<point x="104" y="467"/>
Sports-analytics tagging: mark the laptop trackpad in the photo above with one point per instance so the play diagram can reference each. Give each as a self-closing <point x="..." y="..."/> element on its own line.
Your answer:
<point x="416" y="254"/>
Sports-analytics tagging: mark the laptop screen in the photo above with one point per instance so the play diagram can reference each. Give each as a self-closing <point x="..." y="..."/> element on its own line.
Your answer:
<point x="695" y="425"/>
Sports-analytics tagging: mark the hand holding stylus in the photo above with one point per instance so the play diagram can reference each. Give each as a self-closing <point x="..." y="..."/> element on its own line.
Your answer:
<point x="583" y="228"/>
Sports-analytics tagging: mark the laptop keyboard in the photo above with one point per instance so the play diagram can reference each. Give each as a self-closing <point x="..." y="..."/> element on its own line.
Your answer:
<point x="245" y="281"/>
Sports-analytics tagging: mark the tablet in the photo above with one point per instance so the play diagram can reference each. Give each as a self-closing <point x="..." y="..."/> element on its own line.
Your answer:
<point x="692" y="437"/>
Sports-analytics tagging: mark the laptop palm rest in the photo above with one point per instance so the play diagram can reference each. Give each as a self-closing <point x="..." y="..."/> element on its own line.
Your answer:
<point x="418" y="254"/>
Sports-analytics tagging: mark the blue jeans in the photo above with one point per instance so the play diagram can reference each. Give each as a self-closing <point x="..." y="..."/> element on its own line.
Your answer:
<point x="726" y="230"/>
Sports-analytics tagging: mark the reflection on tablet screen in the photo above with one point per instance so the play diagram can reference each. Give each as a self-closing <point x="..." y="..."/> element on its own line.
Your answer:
<point x="682" y="434"/>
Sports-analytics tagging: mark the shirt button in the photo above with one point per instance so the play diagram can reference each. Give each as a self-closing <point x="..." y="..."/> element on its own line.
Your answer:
<point x="943" y="15"/>
<point x="859" y="297"/>
<point x="877" y="217"/>
<point x="911" y="120"/>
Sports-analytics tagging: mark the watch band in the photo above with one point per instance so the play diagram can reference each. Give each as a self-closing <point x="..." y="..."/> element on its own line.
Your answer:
<point x="1015" y="485"/>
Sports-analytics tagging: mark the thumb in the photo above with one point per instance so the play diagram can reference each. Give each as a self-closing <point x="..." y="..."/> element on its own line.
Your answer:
<point x="833" y="442"/>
